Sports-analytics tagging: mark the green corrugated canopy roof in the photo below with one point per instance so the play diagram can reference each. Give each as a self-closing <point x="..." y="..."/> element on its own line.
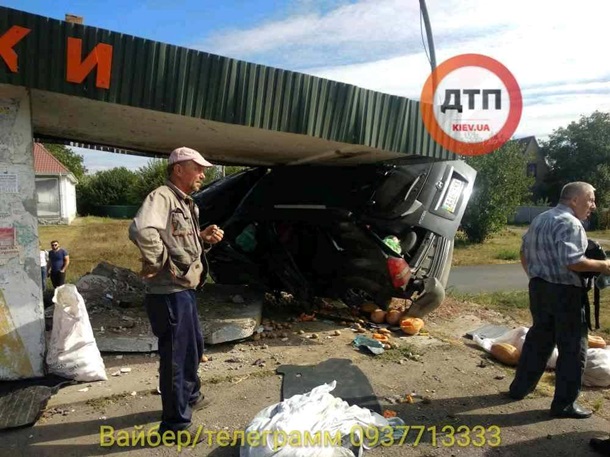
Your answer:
<point x="160" y="96"/>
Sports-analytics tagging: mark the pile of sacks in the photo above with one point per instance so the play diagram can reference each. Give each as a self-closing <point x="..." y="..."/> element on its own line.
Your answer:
<point x="507" y="349"/>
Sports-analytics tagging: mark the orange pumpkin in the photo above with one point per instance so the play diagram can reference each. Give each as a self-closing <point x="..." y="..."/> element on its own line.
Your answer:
<point x="505" y="353"/>
<point x="381" y="337"/>
<point x="596" y="342"/>
<point x="411" y="325"/>
<point x="378" y="316"/>
<point x="393" y="317"/>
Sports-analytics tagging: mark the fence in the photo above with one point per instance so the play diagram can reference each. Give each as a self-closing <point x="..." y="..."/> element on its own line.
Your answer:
<point x="525" y="214"/>
<point x="599" y="220"/>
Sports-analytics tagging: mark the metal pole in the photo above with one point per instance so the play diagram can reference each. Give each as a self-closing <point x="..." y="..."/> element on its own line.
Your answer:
<point x="424" y="12"/>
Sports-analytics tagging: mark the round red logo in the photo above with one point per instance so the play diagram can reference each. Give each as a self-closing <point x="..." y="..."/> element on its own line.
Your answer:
<point x="471" y="104"/>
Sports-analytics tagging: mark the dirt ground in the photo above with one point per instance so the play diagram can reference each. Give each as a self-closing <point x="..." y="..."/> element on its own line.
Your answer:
<point x="451" y="382"/>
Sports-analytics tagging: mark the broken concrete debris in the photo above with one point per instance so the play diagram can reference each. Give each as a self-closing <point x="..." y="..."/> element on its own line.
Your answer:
<point x="108" y="284"/>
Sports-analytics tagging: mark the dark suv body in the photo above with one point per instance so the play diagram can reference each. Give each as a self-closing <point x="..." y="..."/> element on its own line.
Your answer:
<point x="380" y="230"/>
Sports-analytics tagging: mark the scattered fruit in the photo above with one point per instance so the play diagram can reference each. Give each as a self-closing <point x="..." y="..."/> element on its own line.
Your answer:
<point x="411" y="325"/>
<point x="596" y="342"/>
<point x="505" y="353"/>
<point x="381" y="337"/>
<point x="378" y="316"/>
<point x="393" y="317"/>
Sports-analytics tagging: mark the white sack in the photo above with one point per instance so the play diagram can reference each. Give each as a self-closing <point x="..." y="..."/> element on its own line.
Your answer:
<point x="597" y="371"/>
<point x="72" y="351"/>
<point x="515" y="337"/>
<point x="315" y="411"/>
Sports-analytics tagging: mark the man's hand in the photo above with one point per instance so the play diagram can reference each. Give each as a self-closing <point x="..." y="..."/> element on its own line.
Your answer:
<point x="606" y="269"/>
<point x="147" y="271"/>
<point x="591" y="265"/>
<point x="212" y="234"/>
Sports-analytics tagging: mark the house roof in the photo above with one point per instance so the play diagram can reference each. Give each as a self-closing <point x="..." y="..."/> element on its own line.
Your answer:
<point x="46" y="164"/>
<point x="525" y="142"/>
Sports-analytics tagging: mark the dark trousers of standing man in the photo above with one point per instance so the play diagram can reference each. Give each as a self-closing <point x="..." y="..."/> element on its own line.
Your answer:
<point x="559" y="318"/>
<point x="175" y="322"/>
<point x="58" y="278"/>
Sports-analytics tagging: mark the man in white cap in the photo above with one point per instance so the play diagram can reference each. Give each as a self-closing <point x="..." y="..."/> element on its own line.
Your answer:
<point x="166" y="230"/>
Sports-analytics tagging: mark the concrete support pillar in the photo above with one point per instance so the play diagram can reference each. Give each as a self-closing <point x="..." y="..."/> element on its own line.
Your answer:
<point x="22" y="339"/>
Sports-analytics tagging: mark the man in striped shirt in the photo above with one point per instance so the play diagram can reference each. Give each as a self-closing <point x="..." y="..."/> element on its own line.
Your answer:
<point x="553" y="255"/>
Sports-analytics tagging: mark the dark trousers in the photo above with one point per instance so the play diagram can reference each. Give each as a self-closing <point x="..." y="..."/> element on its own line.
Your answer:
<point x="58" y="278"/>
<point x="43" y="273"/>
<point x="175" y="322"/>
<point x="558" y="319"/>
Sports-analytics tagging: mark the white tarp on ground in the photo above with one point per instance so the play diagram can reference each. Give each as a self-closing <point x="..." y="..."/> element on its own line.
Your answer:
<point x="305" y="415"/>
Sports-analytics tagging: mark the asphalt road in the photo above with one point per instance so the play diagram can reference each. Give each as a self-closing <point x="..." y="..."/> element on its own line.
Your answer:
<point x="493" y="278"/>
<point x="487" y="278"/>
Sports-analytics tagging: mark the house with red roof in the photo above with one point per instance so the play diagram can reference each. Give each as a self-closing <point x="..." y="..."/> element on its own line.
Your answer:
<point x="55" y="188"/>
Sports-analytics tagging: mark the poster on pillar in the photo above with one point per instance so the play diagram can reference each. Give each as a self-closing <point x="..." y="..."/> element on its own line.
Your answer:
<point x="9" y="183"/>
<point x="8" y="244"/>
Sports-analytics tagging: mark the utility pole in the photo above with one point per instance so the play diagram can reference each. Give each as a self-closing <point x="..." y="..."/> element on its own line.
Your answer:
<point x="424" y="13"/>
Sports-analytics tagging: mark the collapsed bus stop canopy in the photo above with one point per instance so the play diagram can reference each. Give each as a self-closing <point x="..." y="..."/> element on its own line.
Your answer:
<point x="95" y="88"/>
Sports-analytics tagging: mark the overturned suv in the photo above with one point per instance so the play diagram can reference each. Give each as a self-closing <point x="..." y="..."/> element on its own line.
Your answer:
<point x="363" y="232"/>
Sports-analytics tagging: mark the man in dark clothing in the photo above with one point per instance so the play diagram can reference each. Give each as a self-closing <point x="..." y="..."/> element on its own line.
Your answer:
<point x="166" y="230"/>
<point x="58" y="264"/>
<point x="553" y="255"/>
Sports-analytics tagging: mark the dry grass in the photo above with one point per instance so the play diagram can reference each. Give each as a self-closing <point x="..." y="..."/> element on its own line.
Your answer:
<point x="599" y="234"/>
<point x="515" y="304"/>
<point x="89" y="240"/>
<point x="503" y="247"/>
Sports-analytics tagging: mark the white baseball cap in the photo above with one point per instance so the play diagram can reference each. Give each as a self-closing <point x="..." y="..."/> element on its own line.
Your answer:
<point x="183" y="154"/>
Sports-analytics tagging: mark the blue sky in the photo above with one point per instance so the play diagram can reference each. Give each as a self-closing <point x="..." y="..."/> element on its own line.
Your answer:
<point x="555" y="50"/>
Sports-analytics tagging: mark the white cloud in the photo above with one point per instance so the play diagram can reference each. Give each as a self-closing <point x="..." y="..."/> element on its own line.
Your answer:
<point x="99" y="160"/>
<point x="554" y="50"/>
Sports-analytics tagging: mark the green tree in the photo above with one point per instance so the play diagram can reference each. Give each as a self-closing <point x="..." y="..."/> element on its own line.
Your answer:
<point x="232" y="169"/>
<point x="580" y="152"/>
<point x="501" y="185"/>
<point x="70" y="159"/>
<point x="149" y="177"/>
<point x="109" y="187"/>
<point x="228" y="171"/>
<point x="154" y="174"/>
<point x="211" y="174"/>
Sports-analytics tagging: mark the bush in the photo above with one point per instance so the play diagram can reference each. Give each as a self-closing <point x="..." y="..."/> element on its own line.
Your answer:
<point x="599" y="220"/>
<point x="508" y="254"/>
<point x="109" y="187"/>
<point x="148" y="178"/>
<point x="501" y="185"/>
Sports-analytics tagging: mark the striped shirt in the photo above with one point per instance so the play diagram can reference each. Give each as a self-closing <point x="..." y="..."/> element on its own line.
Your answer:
<point x="554" y="240"/>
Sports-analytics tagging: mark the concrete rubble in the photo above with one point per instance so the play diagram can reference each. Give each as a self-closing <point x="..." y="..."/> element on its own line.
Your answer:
<point x="114" y="299"/>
